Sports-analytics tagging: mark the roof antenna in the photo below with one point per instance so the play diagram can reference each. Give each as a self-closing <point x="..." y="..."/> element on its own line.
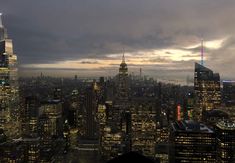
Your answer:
<point x="123" y="56"/>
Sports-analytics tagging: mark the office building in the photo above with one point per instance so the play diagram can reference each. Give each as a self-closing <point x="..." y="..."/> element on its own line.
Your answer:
<point x="30" y="117"/>
<point x="111" y="144"/>
<point x="207" y="90"/>
<point x="52" y="111"/>
<point x="9" y="97"/>
<point x="225" y="136"/>
<point x="192" y="142"/>
<point x="89" y="105"/>
<point x="143" y="129"/>
<point x="228" y="92"/>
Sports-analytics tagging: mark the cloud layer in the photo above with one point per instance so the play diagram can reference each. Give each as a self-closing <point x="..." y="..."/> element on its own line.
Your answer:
<point x="161" y="36"/>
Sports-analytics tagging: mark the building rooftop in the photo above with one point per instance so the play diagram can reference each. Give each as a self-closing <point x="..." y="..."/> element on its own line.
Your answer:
<point x="204" y="73"/>
<point x="226" y="125"/>
<point x="201" y="67"/>
<point x="190" y="126"/>
<point x="217" y="113"/>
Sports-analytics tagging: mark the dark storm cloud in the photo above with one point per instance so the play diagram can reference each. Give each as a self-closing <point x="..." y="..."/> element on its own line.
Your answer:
<point x="154" y="60"/>
<point x="88" y="62"/>
<point x="47" y="31"/>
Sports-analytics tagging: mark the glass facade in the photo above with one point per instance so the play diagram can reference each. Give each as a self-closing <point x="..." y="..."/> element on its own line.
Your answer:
<point x="207" y="90"/>
<point x="192" y="142"/>
<point x="9" y="96"/>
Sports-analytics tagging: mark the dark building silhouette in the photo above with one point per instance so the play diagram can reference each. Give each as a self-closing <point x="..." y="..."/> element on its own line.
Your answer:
<point x="74" y="109"/>
<point x="229" y="93"/>
<point x="212" y="117"/>
<point x="126" y="129"/>
<point x="90" y="106"/>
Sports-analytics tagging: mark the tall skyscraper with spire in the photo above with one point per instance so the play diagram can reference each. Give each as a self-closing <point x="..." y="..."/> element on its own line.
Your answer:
<point x="9" y="96"/>
<point x="123" y="80"/>
<point x="207" y="90"/>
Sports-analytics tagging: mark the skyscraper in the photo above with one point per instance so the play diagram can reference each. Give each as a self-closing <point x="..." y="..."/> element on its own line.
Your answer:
<point x="207" y="90"/>
<point x="90" y="105"/>
<point x="192" y="142"/>
<point x="9" y="111"/>
<point x="123" y="80"/>
<point x="229" y="92"/>
<point x="143" y="125"/>
<point x="30" y="117"/>
<point x="225" y="135"/>
<point x="53" y="110"/>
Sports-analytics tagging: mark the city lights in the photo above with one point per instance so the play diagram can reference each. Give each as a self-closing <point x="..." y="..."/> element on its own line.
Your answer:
<point x="71" y="94"/>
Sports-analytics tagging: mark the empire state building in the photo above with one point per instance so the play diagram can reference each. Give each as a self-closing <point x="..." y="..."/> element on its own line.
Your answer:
<point x="123" y="80"/>
<point x="9" y="106"/>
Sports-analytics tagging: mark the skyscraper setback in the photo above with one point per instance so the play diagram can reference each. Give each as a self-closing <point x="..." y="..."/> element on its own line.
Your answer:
<point x="9" y="111"/>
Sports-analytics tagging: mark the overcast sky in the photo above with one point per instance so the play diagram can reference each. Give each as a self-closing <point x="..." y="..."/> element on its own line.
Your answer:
<point x="87" y="37"/>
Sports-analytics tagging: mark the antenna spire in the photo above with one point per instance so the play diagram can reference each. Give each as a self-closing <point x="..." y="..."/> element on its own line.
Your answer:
<point x="1" y="25"/>
<point x="123" y="56"/>
<point x="202" y="53"/>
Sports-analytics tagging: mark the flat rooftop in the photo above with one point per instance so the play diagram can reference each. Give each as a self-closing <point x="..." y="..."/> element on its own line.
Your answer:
<point x="226" y="125"/>
<point x="191" y="126"/>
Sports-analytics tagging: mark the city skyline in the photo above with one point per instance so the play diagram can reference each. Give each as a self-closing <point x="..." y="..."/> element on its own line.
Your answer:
<point x="115" y="117"/>
<point x="86" y="38"/>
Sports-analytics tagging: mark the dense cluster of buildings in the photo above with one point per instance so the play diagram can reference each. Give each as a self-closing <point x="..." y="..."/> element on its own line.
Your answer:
<point x="46" y="119"/>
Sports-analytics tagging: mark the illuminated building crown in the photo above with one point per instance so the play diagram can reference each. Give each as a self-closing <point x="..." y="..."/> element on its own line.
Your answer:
<point x="123" y="65"/>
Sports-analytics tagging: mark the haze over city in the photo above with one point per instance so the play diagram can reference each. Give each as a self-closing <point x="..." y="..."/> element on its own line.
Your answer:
<point x="162" y="37"/>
